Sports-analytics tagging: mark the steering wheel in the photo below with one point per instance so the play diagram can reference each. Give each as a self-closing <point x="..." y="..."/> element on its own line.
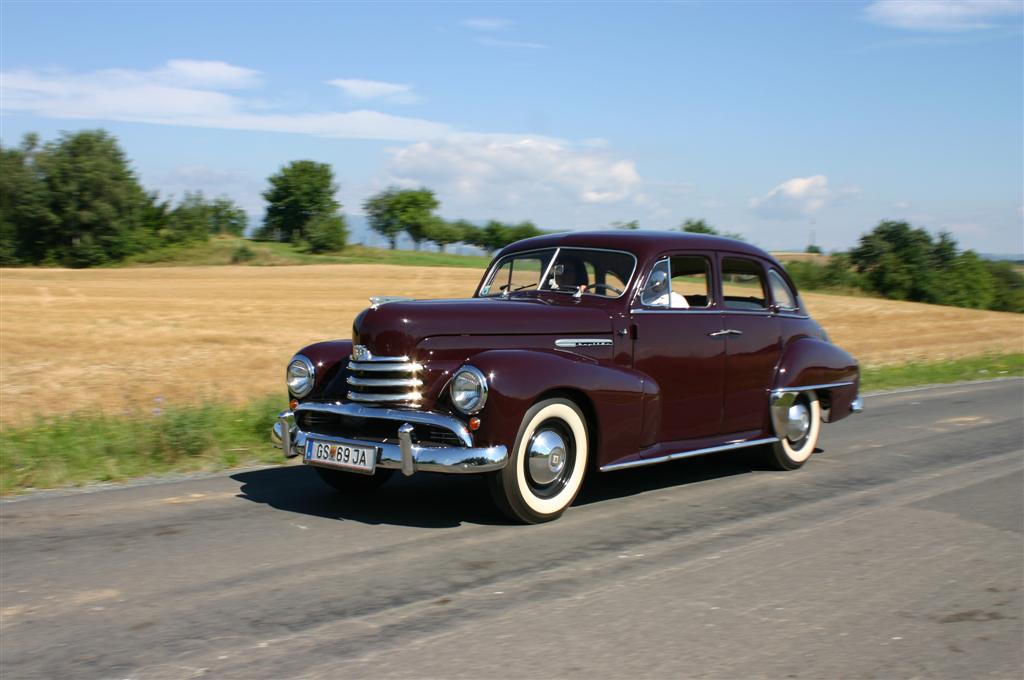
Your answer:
<point x="584" y="289"/>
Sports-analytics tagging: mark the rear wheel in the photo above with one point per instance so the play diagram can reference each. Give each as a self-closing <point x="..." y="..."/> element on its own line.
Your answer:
<point x="353" y="483"/>
<point x="800" y="438"/>
<point x="545" y="471"/>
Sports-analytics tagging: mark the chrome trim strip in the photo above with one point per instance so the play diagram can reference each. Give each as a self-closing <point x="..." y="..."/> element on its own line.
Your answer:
<point x="677" y="310"/>
<point x="376" y="398"/>
<point x="398" y="415"/>
<point x="383" y="367"/>
<point x="688" y="454"/>
<point x="583" y="342"/>
<point x="383" y="382"/>
<point x="447" y="459"/>
<point x="370" y="358"/>
<point x="805" y="388"/>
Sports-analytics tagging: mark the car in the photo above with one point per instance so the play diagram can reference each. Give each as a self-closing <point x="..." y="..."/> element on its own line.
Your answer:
<point x="579" y="353"/>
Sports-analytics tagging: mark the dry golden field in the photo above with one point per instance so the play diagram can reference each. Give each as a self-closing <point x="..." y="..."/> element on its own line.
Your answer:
<point x="130" y="340"/>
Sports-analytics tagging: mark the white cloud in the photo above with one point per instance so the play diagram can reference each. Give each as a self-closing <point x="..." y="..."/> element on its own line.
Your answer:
<point x="494" y="42"/>
<point x="942" y="15"/>
<point x="186" y="93"/>
<point x="487" y="24"/>
<point x="213" y="74"/>
<point x="374" y="89"/>
<point x="482" y="175"/>
<point x="797" y="197"/>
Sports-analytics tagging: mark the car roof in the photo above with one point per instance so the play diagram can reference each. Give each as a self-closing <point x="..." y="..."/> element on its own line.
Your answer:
<point x="642" y="243"/>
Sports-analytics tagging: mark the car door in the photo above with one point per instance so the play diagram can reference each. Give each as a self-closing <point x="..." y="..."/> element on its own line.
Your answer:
<point x="752" y="343"/>
<point x="677" y="345"/>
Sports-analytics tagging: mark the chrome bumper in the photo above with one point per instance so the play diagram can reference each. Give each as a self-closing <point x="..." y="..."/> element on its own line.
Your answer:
<point x="406" y="456"/>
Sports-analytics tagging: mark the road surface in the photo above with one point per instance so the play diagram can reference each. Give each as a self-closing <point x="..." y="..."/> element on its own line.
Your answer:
<point x="895" y="553"/>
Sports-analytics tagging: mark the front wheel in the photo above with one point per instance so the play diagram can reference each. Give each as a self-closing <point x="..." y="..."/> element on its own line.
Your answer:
<point x="545" y="471"/>
<point x="353" y="483"/>
<point x="798" y="441"/>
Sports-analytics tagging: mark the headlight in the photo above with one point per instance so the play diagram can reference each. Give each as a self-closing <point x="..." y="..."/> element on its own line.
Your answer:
<point x="469" y="390"/>
<point x="300" y="375"/>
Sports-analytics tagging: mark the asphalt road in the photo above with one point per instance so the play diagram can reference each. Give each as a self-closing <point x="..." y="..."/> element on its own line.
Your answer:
<point x="897" y="552"/>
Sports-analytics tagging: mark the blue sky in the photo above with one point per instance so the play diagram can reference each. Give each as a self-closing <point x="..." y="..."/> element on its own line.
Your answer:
<point x="771" y="119"/>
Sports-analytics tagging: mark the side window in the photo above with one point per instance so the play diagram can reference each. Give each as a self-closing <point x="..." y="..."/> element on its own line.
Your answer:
<point x="691" y="282"/>
<point x="743" y="284"/>
<point x="657" y="289"/>
<point x="782" y="294"/>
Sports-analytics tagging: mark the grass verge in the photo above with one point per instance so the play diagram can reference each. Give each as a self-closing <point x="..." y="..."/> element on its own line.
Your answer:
<point x="233" y="250"/>
<point x="83" y="449"/>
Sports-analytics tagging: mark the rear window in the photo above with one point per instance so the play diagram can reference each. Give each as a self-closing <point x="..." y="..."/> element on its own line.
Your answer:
<point x="743" y="284"/>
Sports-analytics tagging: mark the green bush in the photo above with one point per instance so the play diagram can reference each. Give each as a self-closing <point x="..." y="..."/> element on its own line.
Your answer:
<point x="326" y="234"/>
<point x="242" y="253"/>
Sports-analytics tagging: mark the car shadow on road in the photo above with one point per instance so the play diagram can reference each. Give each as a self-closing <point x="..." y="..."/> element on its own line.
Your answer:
<point x="423" y="500"/>
<point x="437" y="501"/>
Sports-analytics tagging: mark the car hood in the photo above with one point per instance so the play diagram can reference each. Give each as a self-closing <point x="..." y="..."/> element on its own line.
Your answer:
<point x="395" y="329"/>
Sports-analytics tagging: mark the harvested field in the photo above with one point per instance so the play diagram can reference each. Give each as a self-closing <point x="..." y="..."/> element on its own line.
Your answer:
<point x="131" y="340"/>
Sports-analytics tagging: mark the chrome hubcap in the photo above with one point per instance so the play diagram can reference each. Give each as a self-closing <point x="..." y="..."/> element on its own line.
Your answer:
<point x="547" y="456"/>
<point x="798" y="422"/>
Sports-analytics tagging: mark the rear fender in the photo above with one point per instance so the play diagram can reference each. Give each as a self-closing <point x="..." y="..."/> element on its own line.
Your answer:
<point x="819" y="365"/>
<point x="612" y="397"/>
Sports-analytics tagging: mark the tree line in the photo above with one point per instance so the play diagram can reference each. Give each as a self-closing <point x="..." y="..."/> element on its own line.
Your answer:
<point x="76" y="202"/>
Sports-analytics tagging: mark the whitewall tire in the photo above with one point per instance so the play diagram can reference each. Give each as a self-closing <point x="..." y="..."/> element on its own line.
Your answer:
<point x="798" y="441"/>
<point x="545" y="471"/>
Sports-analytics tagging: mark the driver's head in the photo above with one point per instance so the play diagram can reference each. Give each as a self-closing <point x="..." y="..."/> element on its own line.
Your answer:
<point x="569" y="274"/>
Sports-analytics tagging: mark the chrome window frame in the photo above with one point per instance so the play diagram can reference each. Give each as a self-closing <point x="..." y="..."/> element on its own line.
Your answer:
<point x="784" y="309"/>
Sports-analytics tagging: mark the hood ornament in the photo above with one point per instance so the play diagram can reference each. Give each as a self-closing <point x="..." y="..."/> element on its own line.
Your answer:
<point x="378" y="300"/>
<point x="361" y="353"/>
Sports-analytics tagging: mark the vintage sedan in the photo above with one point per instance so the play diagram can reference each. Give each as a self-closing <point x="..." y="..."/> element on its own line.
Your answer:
<point x="578" y="353"/>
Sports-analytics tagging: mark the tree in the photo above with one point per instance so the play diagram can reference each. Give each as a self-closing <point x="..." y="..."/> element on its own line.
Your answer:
<point x="96" y="201"/>
<point x="227" y="218"/>
<point x="443" y="232"/>
<point x="1008" y="293"/>
<point x="24" y="205"/>
<point x="326" y="233"/>
<point x="813" y="249"/>
<point x="298" y="192"/>
<point x="897" y="261"/>
<point x="190" y="220"/>
<point x="632" y="225"/>
<point x="701" y="227"/>
<point x="698" y="227"/>
<point x="395" y="210"/>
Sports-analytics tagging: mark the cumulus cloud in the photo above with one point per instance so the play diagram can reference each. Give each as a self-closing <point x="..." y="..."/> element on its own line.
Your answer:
<point x="374" y="89"/>
<point x="481" y="173"/>
<point x="797" y="197"/>
<point x="189" y="93"/>
<point x="487" y="24"/>
<point x="942" y="15"/>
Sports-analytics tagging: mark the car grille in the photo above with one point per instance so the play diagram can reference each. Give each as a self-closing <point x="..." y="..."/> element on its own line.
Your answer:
<point x="384" y="380"/>
<point x="378" y="430"/>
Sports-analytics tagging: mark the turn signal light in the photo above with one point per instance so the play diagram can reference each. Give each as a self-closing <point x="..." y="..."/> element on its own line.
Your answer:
<point x="474" y="424"/>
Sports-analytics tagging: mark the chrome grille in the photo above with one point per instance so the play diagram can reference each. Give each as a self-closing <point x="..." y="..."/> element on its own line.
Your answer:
<point x="383" y="379"/>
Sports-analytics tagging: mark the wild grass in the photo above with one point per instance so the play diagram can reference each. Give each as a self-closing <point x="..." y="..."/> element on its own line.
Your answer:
<point x="88" y="448"/>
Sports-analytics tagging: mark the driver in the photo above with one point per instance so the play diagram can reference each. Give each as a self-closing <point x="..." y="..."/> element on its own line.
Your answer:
<point x="659" y="294"/>
<point x="570" y="274"/>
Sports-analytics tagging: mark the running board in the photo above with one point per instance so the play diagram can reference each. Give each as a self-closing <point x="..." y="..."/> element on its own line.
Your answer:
<point x="688" y="454"/>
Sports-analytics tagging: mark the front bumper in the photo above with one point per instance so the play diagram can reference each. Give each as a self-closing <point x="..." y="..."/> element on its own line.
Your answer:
<point x="405" y="455"/>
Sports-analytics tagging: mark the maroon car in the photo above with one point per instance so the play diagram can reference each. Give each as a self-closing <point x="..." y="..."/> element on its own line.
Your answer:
<point x="579" y="353"/>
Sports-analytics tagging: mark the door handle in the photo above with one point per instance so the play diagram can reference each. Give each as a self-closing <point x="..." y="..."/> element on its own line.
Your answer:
<point x="727" y="331"/>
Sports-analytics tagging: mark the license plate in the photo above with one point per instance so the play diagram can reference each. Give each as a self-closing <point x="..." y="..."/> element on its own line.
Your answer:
<point x="341" y="455"/>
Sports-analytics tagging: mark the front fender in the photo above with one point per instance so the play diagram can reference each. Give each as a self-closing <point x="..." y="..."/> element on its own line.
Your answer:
<point x="328" y="357"/>
<point x="810" y="362"/>
<point x="610" y="396"/>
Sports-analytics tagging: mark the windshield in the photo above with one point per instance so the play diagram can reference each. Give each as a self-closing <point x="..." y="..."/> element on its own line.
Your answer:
<point x="604" y="273"/>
